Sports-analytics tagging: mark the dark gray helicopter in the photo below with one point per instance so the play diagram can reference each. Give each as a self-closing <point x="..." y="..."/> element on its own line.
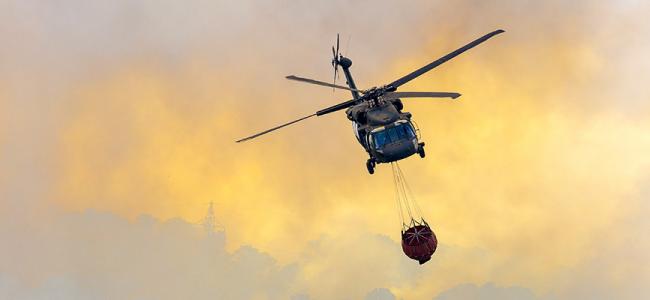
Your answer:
<point x="381" y="127"/>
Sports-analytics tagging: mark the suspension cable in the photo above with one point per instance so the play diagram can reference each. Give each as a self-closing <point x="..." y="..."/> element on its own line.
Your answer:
<point x="404" y="195"/>
<point x="415" y="204"/>
<point x="397" y="195"/>
<point x="405" y="199"/>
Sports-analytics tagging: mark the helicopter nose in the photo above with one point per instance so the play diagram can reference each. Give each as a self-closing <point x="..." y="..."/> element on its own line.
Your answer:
<point x="399" y="150"/>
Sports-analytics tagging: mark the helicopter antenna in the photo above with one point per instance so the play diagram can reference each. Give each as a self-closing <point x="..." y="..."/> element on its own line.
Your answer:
<point x="347" y="46"/>
<point x="335" y="60"/>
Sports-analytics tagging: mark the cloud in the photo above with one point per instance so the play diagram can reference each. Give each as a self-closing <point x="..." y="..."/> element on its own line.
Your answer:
<point x="95" y="255"/>
<point x="380" y="294"/>
<point x="620" y="269"/>
<point x="487" y="291"/>
<point x="131" y="108"/>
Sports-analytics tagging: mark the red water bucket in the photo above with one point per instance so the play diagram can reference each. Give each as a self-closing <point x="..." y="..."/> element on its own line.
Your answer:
<point x="419" y="242"/>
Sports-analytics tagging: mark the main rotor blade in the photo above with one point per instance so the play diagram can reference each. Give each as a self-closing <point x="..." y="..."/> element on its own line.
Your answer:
<point x="274" y="128"/>
<point x="395" y="84"/>
<point x="321" y="112"/>
<point x="396" y="95"/>
<point x="312" y="81"/>
<point x="340" y="106"/>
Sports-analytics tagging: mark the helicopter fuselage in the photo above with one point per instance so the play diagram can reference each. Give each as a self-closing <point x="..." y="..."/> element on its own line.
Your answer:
<point x="385" y="132"/>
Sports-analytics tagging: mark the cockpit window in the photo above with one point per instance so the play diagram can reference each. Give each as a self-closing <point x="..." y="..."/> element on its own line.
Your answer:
<point x="393" y="135"/>
<point x="402" y="131"/>
<point x="379" y="139"/>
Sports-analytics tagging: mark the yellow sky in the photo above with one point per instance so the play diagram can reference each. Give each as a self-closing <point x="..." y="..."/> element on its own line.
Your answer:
<point x="542" y="159"/>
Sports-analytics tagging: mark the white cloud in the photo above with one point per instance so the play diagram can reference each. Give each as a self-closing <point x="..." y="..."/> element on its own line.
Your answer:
<point x="100" y="256"/>
<point x="487" y="291"/>
<point x="92" y="255"/>
<point x="380" y="294"/>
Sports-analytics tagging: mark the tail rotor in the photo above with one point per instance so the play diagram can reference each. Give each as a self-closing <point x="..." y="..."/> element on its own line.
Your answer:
<point x="335" y="59"/>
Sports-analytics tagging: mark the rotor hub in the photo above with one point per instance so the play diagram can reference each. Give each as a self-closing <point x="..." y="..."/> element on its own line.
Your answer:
<point x="345" y="62"/>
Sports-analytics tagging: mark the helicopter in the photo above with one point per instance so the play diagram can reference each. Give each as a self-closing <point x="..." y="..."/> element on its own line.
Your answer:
<point x="380" y="125"/>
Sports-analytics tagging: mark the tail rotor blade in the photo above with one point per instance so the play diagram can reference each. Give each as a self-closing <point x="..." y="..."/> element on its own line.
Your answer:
<point x="335" y="61"/>
<point x="336" y="68"/>
<point x="337" y="45"/>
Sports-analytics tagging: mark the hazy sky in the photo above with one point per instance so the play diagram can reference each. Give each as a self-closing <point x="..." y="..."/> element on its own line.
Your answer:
<point x="118" y="122"/>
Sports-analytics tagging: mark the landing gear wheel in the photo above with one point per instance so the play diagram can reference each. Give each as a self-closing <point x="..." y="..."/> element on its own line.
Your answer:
<point x="370" y="164"/>
<point x="421" y="151"/>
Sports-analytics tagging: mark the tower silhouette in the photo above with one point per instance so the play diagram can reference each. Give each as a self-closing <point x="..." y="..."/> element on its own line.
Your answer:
<point x="210" y="224"/>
